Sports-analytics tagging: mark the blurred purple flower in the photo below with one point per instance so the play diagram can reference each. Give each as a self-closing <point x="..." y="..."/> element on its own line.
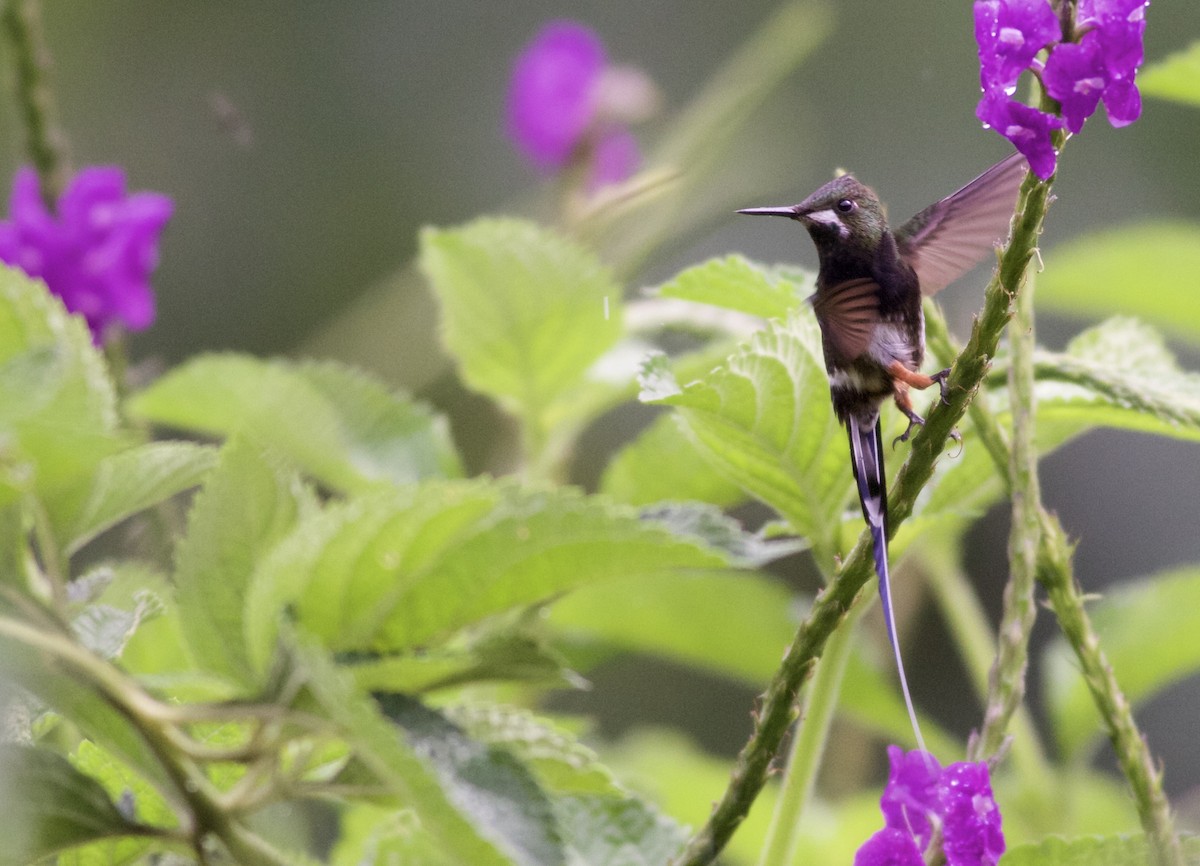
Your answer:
<point x="1010" y="33"/>
<point x="97" y="252"/>
<point x="567" y="104"/>
<point x="919" y="797"/>
<point x="1027" y="128"/>
<point x="551" y="95"/>
<point x="616" y="157"/>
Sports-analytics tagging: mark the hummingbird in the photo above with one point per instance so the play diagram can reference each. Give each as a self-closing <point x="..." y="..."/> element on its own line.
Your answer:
<point x="868" y="305"/>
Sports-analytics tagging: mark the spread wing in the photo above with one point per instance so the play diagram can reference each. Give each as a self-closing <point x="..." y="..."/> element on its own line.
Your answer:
<point x="948" y="238"/>
<point x="848" y="314"/>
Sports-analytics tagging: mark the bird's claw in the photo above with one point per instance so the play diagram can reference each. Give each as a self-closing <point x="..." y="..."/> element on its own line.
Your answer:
<point x="914" y="420"/>
<point x="940" y="377"/>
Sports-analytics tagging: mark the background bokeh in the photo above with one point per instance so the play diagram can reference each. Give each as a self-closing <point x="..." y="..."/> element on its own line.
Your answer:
<point x="306" y="143"/>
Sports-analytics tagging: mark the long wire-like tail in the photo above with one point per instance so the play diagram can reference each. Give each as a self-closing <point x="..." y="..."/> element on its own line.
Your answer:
<point x="866" y="456"/>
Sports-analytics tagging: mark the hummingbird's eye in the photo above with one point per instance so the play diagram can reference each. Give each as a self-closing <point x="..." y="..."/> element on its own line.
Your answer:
<point x="846" y="205"/>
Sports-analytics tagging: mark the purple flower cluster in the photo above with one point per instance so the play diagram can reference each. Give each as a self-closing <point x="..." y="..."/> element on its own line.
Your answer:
<point x="920" y="797"/>
<point x="567" y="104"/>
<point x="96" y="252"/>
<point x="1098" y="61"/>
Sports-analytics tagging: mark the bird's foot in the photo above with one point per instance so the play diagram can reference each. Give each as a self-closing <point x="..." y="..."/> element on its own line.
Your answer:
<point x="914" y="420"/>
<point x="940" y="377"/>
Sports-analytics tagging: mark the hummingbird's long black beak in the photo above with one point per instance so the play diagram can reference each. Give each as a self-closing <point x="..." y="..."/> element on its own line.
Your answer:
<point x="791" y="211"/>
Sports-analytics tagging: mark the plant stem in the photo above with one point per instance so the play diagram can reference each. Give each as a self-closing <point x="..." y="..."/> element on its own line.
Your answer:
<point x="972" y="635"/>
<point x="830" y="608"/>
<point x="1133" y="753"/>
<point x="808" y="745"/>
<point x="1006" y="681"/>
<point x="44" y="141"/>
<point x="191" y="785"/>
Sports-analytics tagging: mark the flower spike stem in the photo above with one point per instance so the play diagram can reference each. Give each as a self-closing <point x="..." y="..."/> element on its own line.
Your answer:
<point x="45" y="142"/>
<point x="1133" y="753"/>
<point x="830" y="608"/>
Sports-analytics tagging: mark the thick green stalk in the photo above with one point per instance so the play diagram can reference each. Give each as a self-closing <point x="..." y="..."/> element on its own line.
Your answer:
<point x="44" y="141"/>
<point x="778" y="703"/>
<point x="1133" y="753"/>
<point x="808" y="745"/>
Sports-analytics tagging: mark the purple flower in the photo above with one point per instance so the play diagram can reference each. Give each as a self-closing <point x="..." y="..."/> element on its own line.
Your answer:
<point x="1076" y="76"/>
<point x="568" y="105"/>
<point x="889" y="847"/>
<point x="1010" y="33"/>
<point x="616" y="157"/>
<point x="551" y="95"/>
<point x="919" y="797"/>
<point x="96" y="253"/>
<point x="1027" y="128"/>
<point x="971" y="834"/>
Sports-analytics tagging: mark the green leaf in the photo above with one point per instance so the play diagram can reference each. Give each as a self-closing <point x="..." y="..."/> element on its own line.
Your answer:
<point x="735" y="624"/>
<point x="661" y="464"/>
<point x="506" y="654"/>
<point x="49" y="806"/>
<point x="1077" y="390"/>
<point x="57" y="405"/>
<point x="339" y="425"/>
<point x="246" y="506"/>
<point x="1092" y="851"/>
<point x="735" y="283"/>
<point x="1176" y="77"/>
<point x="137" y="797"/>
<point x="487" y="785"/>
<point x="1145" y="270"/>
<point x="1167" y="606"/>
<point x="561" y="763"/>
<point x="403" y="569"/>
<point x="386" y="754"/>
<point x="524" y="310"/>
<point x="600" y="831"/>
<point x="133" y="480"/>
<point x="764" y="420"/>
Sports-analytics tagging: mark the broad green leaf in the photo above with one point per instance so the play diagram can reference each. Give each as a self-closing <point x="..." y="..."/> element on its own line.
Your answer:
<point x="1166" y="606"/>
<point x="561" y="763"/>
<point x="764" y="420"/>
<point x="49" y="806"/>
<point x="138" y="799"/>
<point x="246" y="507"/>
<point x="30" y="654"/>
<point x="600" y="831"/>
<point x="404" y="569"/>
<point x="369" y="835"/>
<point x="1092" y="851"/>
<point x="1077" y="390"/>
<point x="57" y="404"/>
<point x="505" y="655"/>
<point x="661" y="464"/>
<point x="488" y="785"/>
<point x="133" y="480"/>
<point x="387" y="754"/>
<point x="1147" y="270"/>
<point x="732" y="623"/>
<point x="525" y="311"/>
<point x="339" y="425"/>
<point x="1175" y="77"/>
<point x="735" y="283"/>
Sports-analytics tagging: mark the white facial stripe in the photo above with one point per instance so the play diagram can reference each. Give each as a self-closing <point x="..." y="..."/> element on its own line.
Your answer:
<point x="829" y="218"/>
